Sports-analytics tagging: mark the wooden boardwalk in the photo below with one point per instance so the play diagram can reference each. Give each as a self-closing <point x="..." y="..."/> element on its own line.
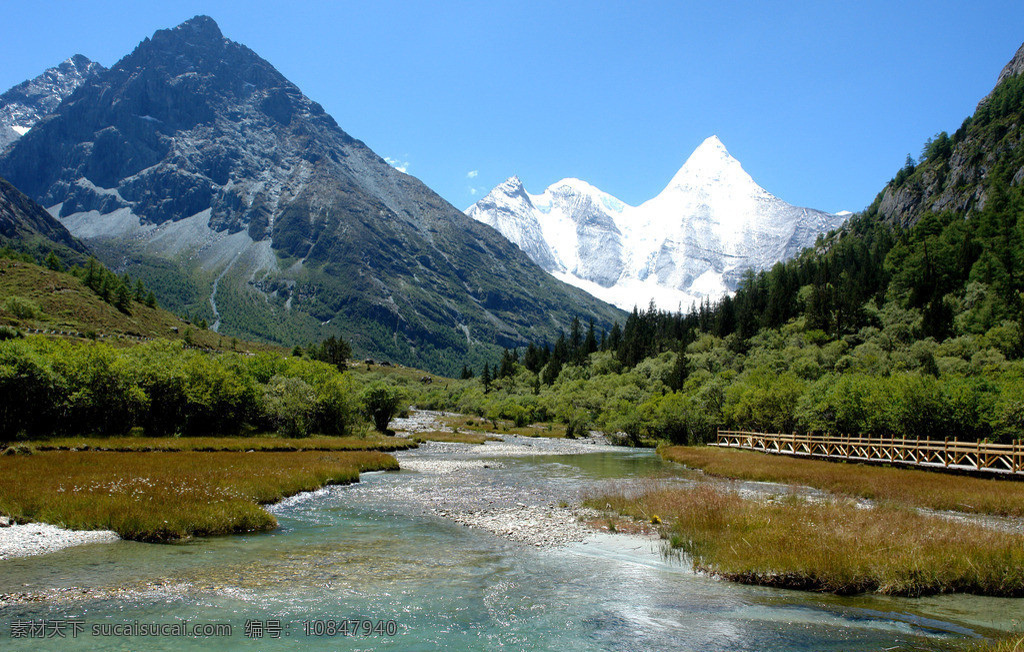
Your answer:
<point x="1003" y="459"/>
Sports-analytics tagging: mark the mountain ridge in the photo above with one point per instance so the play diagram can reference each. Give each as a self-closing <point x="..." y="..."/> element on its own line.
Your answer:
<point x="26" y="226"/>
<point x="25" y="104"/>
<point x="193" y="158"/>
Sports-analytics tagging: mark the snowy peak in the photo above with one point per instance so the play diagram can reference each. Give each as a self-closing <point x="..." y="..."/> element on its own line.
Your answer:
<point x="511" y="187"/>
<point x="710" y="165"/>
<point x="694" y="240"/>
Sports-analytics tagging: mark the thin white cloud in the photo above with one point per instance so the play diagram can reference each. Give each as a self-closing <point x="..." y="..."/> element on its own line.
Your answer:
<point x="472" y="191"/>
<point x="401" y="166"/>
<point x="472" y="174"/>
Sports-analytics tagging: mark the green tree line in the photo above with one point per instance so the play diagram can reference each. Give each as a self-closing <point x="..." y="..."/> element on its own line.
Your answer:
<point x="57" y="387"/>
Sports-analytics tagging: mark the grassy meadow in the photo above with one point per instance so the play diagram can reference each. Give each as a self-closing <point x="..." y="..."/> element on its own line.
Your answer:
<point x="218" y="444"/>
<point x="453" y="437"/>
<point x="166" y="496"/>
<point x="504" y="426"/>
<point x="909" y="487"/>
<point x="1011" y="643"/>
<point x="832" y="546"/>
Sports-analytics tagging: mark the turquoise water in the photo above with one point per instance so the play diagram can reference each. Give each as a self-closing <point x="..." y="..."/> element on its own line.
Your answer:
<point x="367" y="552"/>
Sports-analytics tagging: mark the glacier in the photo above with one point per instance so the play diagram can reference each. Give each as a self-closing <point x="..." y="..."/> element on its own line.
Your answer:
<point x="692" y="242"/>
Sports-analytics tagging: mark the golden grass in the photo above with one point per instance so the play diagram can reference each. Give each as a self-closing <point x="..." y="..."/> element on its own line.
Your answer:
<point x="1009" y="643"/>
<point x="162" y="496"/>
<point x="913" y="487"/>
<point x="834" y="546"/>
<point x="454" y="437"/>
<point x="207" y="444"/>
<point x="552" y="430"/>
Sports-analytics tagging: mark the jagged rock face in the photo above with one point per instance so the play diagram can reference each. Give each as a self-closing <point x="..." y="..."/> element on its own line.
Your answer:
<point x="693" y="241"/>
<point x="1013" y="68"/>
<point x="194" y="149"/>
<point x="24" y="105"/>
<point x="25" y="225"/>
<point x="959" y="182"/>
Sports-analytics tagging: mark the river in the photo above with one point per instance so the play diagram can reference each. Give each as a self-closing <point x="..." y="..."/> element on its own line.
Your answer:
<point x="380" y="552"/>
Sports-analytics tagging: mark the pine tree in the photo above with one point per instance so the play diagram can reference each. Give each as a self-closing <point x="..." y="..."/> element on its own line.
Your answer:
<point x="590" y="343"/>
<point x="53" y="262"/>
<point x="123" y="299"/>
<point x="485" y="377"/>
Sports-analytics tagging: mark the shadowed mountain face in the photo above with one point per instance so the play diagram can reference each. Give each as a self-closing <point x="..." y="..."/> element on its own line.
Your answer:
<point x="26" y="226"/>
<point x="199" y="167"/>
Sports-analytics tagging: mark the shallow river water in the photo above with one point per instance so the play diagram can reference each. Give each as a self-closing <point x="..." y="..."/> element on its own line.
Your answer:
<point x="376" y="551"/>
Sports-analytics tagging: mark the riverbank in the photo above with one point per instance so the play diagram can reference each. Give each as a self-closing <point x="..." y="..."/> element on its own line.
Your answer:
<point x="164" y="496"/>
<point x="831" y="545"/>
<point x="74" y="491"/>
<point x="909" y="487"/>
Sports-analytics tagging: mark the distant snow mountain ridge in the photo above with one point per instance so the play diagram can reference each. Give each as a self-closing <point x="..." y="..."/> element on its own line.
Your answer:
<point x="692" y="242"/>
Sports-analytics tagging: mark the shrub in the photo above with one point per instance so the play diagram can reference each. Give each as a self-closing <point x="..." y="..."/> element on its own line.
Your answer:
<point x="22" y="308"/>
<point x="289" y="404"/>
<point x="380" y="403"/>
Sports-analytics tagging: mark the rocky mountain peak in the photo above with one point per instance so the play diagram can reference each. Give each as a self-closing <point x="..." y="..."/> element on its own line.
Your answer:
<point x="194" y="152"/>
<point x="511" y="185"/>
<point x="195" y="31"/>
<point x="24" y="105"/>
<point x="1014" y="67"/>
<point x="80" y="61"/>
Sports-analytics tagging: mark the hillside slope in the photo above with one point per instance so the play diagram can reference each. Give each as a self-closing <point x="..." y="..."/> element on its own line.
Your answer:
<point x="26" y="226"/>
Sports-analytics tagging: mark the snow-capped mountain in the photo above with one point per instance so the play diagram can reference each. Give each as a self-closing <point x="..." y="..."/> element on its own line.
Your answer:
<point x="709" y="225"/>
<point x="24" y="105"/>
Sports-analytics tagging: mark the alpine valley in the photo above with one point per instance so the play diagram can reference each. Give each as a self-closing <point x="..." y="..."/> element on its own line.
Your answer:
<point x="195" y="166"/>
<point x="693" y="242"/>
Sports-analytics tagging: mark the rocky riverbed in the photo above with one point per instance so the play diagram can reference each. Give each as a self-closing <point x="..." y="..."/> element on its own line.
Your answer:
<point x="460" y="482"/>
<point x="39" y="538"/>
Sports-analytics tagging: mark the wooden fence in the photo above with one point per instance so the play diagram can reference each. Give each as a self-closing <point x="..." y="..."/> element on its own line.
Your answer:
<point x="930" y="453"/>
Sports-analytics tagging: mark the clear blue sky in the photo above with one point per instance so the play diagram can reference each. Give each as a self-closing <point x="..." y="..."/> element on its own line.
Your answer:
<point x="821" y="101"/>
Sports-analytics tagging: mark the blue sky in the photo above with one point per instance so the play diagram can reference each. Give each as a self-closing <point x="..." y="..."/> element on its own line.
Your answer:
<point x="821" y="102"/>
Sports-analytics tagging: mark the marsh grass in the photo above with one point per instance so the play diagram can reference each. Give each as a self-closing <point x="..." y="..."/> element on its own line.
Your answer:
<point x="164" y="496"/>
<point x="454" y="437"/>
<point x="551" y="430"/>
<point x="1009" y="643"/>
<point x="913" y="487"/>
<point x="832" y="546"/>
<point x="208" y="444"/>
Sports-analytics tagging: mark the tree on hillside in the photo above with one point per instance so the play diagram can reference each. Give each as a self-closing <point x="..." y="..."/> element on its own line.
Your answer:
<point x="333" y="350"/>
